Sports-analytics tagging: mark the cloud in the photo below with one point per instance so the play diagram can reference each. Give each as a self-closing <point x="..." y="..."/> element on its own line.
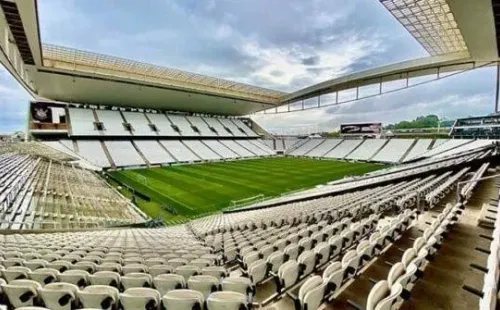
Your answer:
<point x="281" y="44"/>
<point x="466" y="94"/>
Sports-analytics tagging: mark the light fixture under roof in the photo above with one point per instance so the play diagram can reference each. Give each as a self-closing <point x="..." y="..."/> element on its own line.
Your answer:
<point x="430" y="22"/>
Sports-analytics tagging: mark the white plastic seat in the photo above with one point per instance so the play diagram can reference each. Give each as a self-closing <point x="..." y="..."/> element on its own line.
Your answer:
<point x="99" y="297"/>
<point x="59" y="265"/>
<point x="134" y="268"/>
<point x="291" y="251"/>
<point x="350" y="263"/>
<point x="335" y="243"/>
<point x="322" y="251"/>
<point x="79" y="278"/>
<point x="21" y="293"/>
<point x="114" y="267"/>
<point x="307" y="262"/>
<point x="140" y="299"/>
<point x="87" y="266"/>
<point x="240" y="285"/>
<point x="311" y="293"/>
<point x="257" y="271"/>
<point x="288" y="274"/>
<point x="275" y="260"/>
<point x="35" y="264"/>
<point x="200" y="262"/>
<point x="382" y="296"/>
<point x="216" y="271"/>
<point x="227" y="301"/>
<point x="168" y="282"/>
<point x="108" y="278"/>
<point x="203" y="284"/>
<point x="333" y="275"/>
<point x="59" y="296"/>
<point x="347" y="238"/>
<point x="136" y="279"/>
<point x="44" y="275"/>
<point x="155" y="270"/>
<point x="188" y="271"/>
<point x="183" y="300"/>
<point x="15" y="273"/>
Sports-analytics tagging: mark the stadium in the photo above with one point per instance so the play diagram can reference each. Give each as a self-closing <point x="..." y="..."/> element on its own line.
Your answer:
<point x="140" y="186"/>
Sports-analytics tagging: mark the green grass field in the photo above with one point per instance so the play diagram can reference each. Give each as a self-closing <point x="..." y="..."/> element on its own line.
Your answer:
<point x="203" y="188"/>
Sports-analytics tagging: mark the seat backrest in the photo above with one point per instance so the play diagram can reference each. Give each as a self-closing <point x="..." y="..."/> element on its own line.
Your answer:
<point x="168" y="282"/>
<point x="396" y="271"/>
<point x="378" y="292"/>
<point x="227" y="301"/>
<point x="183" y="299"/>
<point x="312" y="295"/>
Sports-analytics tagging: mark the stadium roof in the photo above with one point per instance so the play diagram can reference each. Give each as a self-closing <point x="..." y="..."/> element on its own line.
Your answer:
<point x="456" y="34"/>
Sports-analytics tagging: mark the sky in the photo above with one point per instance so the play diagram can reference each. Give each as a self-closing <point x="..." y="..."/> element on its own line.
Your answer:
<point x="279" y="44"/>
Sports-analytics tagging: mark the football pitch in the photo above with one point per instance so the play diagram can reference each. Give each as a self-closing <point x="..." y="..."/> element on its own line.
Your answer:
<point x="191" y="190"/>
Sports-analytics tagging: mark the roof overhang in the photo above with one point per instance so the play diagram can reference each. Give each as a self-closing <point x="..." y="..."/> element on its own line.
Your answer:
<point x="457" y="33"/>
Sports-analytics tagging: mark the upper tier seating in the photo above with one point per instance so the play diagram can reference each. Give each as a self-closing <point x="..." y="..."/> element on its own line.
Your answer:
<point x="217" y="126"/>
<point x="139" y="123"/>
<point x="82" y="122"/>
<point x="240" y="124"/>
<point x="229" y="125"/>
<point x="124" y="123"/>
<point x="112" y="122"/>
<point x="202" y="126"/>
<point x="163" y="124"/>
<point x="393" y="150"/>
<point x="183" y="125"/>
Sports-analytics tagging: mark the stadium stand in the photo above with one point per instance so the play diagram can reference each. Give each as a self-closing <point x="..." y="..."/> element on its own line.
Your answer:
<point x="139" y="124"/>
<point x="113" y="123"/>
<point x="82" y="122"/>
<point x="306" y="147"/>
<point x="92" y="151"/>
<point x="179" y="151"/>
<point x="238" y="148"/>
<point x="162" y="123"/>
<point x="201" y="150"/>
<point x="220" y="149"/>
<point x="181" y="123"/>
<point x="123" y="153"/>
<point x="343" y="149"/>
<point x="393" y="151"/>
<point x="232" y="128"/>
<point x="217" y="126"/>
<point x="420" y="147"/>
<point x="323" y="148"/>
<point x="367" y="149"/>
<point x="154" y="152"/>
<point x="201" y="126"/>
<point x="247" y="130"/>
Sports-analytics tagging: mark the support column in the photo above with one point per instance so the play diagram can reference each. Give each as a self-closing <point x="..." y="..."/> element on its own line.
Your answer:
<point x="497" y="87"/>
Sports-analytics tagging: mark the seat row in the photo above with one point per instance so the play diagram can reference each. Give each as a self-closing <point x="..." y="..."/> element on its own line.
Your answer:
<point x="390" y="293"/>
<point x="29" y="295"/>
<point x="319" y="288"/>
